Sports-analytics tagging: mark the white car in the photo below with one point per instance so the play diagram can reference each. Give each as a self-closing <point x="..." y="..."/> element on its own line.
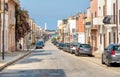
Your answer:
<point x="73" y="47"/>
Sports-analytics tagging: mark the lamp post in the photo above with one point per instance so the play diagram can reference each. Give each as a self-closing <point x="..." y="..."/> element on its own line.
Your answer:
<point x="3" y="32"/>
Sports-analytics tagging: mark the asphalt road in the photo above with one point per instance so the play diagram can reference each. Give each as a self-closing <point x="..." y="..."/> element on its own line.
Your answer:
<point x="52" y="62"/>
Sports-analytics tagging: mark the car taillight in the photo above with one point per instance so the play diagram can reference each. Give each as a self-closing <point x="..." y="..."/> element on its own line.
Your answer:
<point x="112" y="52"/>
<point x="78" y="49"/>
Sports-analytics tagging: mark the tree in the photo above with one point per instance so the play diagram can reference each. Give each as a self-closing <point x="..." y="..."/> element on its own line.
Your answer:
<point x="22" y="27"/>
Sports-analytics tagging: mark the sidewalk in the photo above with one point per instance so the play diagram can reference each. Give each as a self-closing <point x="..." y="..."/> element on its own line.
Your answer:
<point x="97" y="54"/>
<point x="96" y="59"/>
<point x="12" y="57"/>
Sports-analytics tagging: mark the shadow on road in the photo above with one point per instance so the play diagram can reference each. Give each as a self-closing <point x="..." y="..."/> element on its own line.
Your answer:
<point x="34" y="73"/>
<point x="30" y="60"/>
<point x="115" y="65"/>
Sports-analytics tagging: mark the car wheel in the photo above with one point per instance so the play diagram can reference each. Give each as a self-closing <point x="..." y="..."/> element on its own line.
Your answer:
<point x="108" y="64"/>
<point x="71" y="52"/>
<point x="102" y="60"/>
<point x="90" y="55"/>
<point x="76" y="53"/>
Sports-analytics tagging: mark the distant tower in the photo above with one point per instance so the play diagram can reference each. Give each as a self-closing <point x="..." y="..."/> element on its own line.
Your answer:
<point x="45" y="26"/>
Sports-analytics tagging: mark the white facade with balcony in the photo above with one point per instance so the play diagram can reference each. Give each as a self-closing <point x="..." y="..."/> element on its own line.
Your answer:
<point x="112" y="28"/>
<point x="72" y="29"/>
<point x="98" y="22"/>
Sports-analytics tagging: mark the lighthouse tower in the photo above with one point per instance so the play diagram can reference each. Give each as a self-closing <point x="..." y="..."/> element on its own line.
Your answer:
<point x="45" y="26"/>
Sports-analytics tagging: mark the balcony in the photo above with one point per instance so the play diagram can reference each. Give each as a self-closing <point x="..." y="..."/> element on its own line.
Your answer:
<point x="87" y="24"/>
<point x="98" y="21"/>
<point x="109" y="19"/>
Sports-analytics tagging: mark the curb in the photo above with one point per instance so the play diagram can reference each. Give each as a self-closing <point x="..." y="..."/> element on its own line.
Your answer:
<point x="15" y="60"/>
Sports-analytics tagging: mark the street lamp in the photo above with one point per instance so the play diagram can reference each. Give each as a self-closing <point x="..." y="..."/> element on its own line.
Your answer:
<point x="3" y="32"/>
<point x="5" y="8"/>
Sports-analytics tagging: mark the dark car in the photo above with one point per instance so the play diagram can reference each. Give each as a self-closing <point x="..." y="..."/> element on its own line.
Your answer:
<point x="111" y="54"/>
<point x="40" y="44"/>
<point x="67" y="47"/>
<point x="55" y="43"/>
<point x="61" y="45"/>
<point x="84" y="49"/>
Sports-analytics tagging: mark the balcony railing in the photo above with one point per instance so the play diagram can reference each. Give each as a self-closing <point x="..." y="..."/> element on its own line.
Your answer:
<point x="87" y="23"/>
<point x="109" y="19"/>
<point x="98" y="20"/>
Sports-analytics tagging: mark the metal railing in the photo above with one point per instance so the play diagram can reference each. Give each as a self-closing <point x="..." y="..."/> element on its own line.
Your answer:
<point x="109" y="19"/>
<point x="87" y="23"/>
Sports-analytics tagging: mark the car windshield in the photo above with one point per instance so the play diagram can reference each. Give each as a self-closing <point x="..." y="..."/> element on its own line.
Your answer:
<point x="75" y="45"/>
<point x="117" y="48"/>
<point x="85" y="45"/>
<point x="39" y="43"/>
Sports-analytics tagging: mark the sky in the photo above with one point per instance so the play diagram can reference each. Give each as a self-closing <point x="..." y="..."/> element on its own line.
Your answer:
<point x="50" y="11"/>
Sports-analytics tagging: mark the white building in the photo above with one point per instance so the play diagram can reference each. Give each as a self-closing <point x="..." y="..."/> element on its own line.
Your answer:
<point x="72" y="28"/>
<point x="113" y="27"/>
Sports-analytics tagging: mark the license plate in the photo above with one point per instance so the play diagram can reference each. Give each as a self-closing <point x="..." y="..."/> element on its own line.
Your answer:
<point x="86" y="50"/>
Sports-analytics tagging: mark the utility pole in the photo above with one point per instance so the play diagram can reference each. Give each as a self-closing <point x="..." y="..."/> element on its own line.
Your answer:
<point x="3" y="32"/>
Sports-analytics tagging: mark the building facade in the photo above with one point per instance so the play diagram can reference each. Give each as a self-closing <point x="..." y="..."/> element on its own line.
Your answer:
<point x="80" y="28"/>
<point x="87" y="24"/>
<point x="12" y="4"/>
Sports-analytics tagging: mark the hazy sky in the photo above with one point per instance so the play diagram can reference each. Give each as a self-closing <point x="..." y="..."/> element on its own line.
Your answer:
<point x="50" y="11"/>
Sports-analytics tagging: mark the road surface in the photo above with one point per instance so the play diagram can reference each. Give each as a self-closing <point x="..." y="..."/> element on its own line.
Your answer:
<point x="52" y="62"/>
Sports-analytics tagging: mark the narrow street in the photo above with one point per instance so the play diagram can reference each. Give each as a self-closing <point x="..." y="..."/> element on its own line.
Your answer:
<point x="52" y="62"/>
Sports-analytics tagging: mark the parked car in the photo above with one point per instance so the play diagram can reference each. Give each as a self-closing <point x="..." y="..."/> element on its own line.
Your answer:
<point x="61" y="45"/>
<point x="66" y="47"/>
<point x="73" y="47"/>
<point x="55" y="42"/>
<point x="39" y="44"/>
<point x="84" y="49"/>
<point x="111" y="54"/>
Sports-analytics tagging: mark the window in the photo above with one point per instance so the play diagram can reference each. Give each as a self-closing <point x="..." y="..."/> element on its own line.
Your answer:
<point x="100" y="38"/>
<point x="114" y="37"/>
<point x="73" y="30"/>
<point x="95" y="14"/>
<point x="104" y="10"/>
<point x="109" y="37"/>
<point x="85" y="45"/>
<point x="117" y="48"/>
<point x="92" y="19"/>
<point x="109" y="47"/>
<point x="114" y="13"/>
<point x="99" y="8"/>
<point x="119" y="16"/>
